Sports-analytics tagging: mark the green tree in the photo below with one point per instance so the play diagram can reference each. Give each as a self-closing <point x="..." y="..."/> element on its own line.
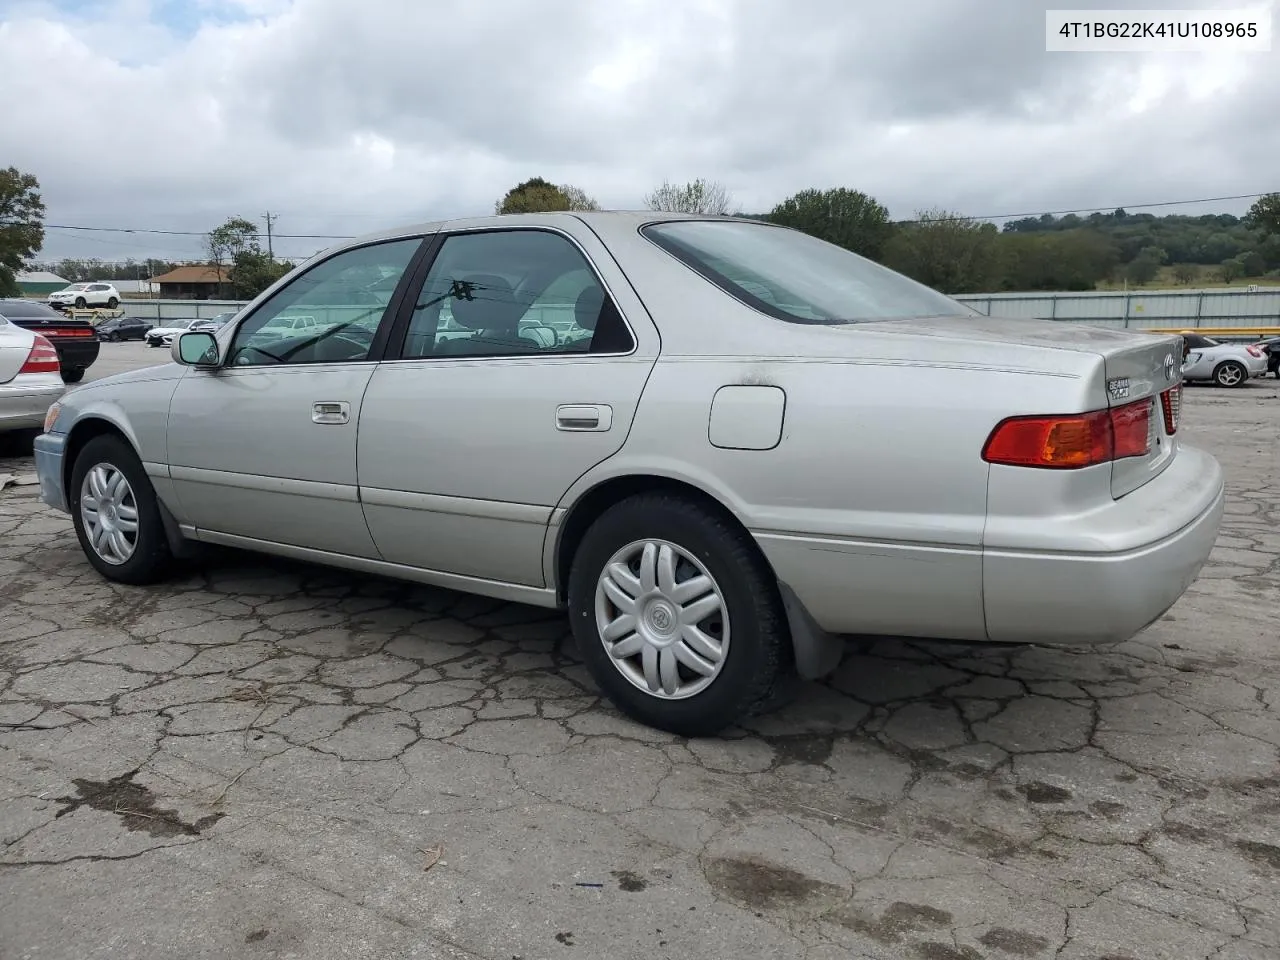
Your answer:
<point x="1230" y="270"/>
<point x="1253" y="263"/>
<point x="21" y="225"/>
<point x="224" y="244"/>
<point x="847" y="218"/>
<point x="1067" y="260"/>
<point x="1264" y="215"/>
<point x="252" y="271"/>
<point x="948" y="252"/>
<point x="1146" y="265"/>
<point x="707" y="197"/>
<point x="1185" y="274"/>
<point x="535" y="195"/>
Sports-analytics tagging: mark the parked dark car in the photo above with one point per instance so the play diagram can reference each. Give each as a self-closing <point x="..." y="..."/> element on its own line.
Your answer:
<point x="124" y="328"/>
<point x="1272" y="348"/>
<point x="75" y="340"/>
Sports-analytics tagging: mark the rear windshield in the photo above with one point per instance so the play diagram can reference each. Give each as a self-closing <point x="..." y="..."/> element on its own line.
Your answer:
<point x="795" y="277"/>
<point x="25" y="309"/>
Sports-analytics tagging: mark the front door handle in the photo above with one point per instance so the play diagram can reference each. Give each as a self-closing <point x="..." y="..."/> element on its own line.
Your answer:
<point x="331" y="411"/>
<point x="584" y="417"/>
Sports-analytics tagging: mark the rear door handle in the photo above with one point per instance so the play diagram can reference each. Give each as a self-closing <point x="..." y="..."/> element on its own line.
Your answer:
<point x="331" y="411"/>
<point x="584" y="417"/>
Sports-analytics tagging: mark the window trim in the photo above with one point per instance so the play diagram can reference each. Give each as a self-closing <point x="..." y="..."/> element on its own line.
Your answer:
<point x="399" y="333"/>
<point x="748" y="299"/>
<point x="381" y="335"/>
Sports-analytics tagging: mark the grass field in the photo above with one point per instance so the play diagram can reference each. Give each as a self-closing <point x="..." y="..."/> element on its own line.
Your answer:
<point x="1206" y="277"/>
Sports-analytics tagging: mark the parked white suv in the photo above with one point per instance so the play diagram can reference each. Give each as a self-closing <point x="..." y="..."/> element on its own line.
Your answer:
<point x="81" y="295"/>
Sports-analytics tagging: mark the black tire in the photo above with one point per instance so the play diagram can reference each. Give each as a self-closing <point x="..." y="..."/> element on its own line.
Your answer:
<point x="759" y="663"/>
<point x="151" y="561"/>
<point x="1230" y="374"/>
<point x="72" y="374"/>
<point x="81" y="303"/>
<point x="112" y="303"/>
<point x="114" y="337"/>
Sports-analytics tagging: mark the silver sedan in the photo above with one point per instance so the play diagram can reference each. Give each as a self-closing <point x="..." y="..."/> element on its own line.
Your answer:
<point x="30" y="377"/>
<point x="721" y="445"/>
<point x="1225" y="364"/>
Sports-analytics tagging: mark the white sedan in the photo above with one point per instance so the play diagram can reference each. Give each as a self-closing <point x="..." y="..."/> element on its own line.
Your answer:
<point x="30" y="377"/>
<point x="163" y="333"/>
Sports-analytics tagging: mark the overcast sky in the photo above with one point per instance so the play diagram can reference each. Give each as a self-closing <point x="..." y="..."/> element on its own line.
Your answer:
<point x="346" y="116"/>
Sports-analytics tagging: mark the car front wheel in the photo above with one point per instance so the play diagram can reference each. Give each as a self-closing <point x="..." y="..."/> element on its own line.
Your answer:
<point x="678" y="616"/>
<point x="1230" y="374"/>
<point x="116" y="514"/>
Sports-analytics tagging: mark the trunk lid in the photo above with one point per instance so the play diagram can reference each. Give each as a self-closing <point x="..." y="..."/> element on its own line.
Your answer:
<point x="14" y="347"/>
<point x="1138" y="366"/>
<point x="57" y="328"/>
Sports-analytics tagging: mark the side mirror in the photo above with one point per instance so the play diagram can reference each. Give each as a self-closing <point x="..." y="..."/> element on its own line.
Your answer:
<point x="195" y="349"/>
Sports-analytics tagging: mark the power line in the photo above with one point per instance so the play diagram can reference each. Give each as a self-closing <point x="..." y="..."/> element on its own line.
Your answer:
<point x="1095" y="209"/>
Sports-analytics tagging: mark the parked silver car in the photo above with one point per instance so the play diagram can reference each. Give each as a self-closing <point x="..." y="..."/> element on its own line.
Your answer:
<point x="1225" y="364"/>
<point x="721" y="444"/>
<point x="30" y="377"/>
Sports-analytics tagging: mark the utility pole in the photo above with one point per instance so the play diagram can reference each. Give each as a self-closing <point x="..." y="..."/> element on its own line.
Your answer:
<point x="270" y="218"/>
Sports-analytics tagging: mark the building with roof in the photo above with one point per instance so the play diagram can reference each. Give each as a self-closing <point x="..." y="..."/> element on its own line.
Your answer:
<point x="191" y="282"/>
<point x="39" y="283"/>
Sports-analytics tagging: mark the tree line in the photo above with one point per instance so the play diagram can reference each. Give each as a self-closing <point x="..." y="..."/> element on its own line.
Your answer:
<point x="958" y="254"/>
<point x="948" y="251"/>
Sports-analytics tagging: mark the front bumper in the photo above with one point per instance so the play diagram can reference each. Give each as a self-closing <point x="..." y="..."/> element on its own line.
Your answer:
<point x="50" y="448"/>
<point x="1071" y="596"/>
<point x="24" y="403"/>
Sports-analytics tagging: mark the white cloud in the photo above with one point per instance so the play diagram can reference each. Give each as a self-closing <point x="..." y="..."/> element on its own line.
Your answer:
<point x="346" y="117"/>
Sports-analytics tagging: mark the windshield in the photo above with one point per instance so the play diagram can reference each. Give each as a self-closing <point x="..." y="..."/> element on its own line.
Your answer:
<point x="793" y="276"/>
<point x="26" y="308"/>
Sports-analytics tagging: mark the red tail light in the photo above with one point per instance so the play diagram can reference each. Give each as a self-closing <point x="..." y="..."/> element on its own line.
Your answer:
<point x="1254" y="351"/>
<point x="42" y="358"/>
<point x="1072" y="441"/>
<point x="1171" y="402"/>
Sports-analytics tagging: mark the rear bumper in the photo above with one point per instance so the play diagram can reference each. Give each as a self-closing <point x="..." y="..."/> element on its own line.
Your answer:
<point x="49" y="449"/>
<point x="1258" y="366"/>
<point x="78" y="353"/>
<point x="25" y="400"/>
<point x="1046" y="596"/>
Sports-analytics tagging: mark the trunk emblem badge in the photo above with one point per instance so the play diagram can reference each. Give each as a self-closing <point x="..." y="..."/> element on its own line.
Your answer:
<point x="1168" y="366"/>
<point x="1118" y="389"/>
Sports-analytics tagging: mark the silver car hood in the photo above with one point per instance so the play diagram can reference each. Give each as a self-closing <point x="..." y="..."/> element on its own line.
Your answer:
<point x="161" y="371"/>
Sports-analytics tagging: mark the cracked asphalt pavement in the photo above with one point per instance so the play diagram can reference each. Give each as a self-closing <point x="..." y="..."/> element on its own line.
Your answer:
<point x="264" y="759"/>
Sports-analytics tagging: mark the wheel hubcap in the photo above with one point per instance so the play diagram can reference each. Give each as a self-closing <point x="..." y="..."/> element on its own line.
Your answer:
<point x="662" y="619"/>
<point x="110" y="513"/>
<point x="1229" y="376"/>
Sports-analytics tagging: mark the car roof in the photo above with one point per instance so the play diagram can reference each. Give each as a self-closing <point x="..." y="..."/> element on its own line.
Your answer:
<point x="608" y="219"/>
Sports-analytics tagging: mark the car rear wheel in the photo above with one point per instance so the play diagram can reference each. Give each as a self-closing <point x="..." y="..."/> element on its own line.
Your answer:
<point x="1230" y="374"/>
<point x="112" y="303"/>
<point x="678" y="616"/>
<point x="116" y="514"/>
<point x="72" y="374"/>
